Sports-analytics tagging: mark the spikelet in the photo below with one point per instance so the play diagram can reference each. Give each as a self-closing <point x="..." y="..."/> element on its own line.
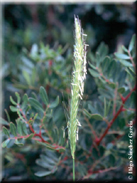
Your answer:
<point x="77" y="85"/>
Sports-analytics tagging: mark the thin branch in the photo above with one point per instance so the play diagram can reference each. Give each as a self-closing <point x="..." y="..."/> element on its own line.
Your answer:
<point x="36" y="134"/>
<point x="131" y="58"/>
<point x="19" y="137"/>
<point x="42" y="139"/>
<point x="93" y="166"/>
<point x="115" y="97"/>
<point x="94" y="133"/>
<point x="101" y="74"/>
<point x="115" y="132"/>
<point x="116" y="115"/>
<point x="49" y="135"/>
<point x="105" y="170"/>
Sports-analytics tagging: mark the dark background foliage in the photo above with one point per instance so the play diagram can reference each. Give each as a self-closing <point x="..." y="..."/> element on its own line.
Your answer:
<point x="26" y="24"/>
<point x="53" y="24"/>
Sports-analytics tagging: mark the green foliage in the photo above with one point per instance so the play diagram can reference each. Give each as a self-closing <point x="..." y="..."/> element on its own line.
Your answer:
<point x="38" y="116"/>
<point x="111" y="74"/>
<point x="13" y="129"/>
<point x="36" y="66"/>
<point x="39" y="70"/>
<point x="43" y="95"/>
<point x="49" y="165"/>
<point x="55" y="103"/>
<point x="28" y="117"/>
<point x="5" y="131"/>
<point x="94" y="116"/>
<point x="5" y="143"/>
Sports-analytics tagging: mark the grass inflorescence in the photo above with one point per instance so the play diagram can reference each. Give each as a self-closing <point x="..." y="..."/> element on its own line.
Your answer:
<point x="77" y="85"/>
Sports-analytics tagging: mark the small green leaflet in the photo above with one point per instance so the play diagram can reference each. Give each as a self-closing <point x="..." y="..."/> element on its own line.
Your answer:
<point x="19" y="127"/>
<point x="3" y="121"/>
<point x="33" y="95"/>
<point x="30" y="136"/>
<point x="25" y="100"/>
<point x="13" y="109"/>
<point x="94" y="116"/>
<point x="47" y="145"/>
<point x="12" y="101"/>
<point x="126" y="63"/>
<point x="18" y="97"/>
<point x="43" y="173"/>
<point x="55" y="103"/>
<point x="112" y="85"/>
<point x="20" y="86"/>
<point x="34" y="50"/>
<point x="94" y="67"/>
<point x="121" y="90"/>
<point x="132" y="42"/>
<point x="125" y="50"/>
<point x="34" y="103"/>
<point x="122" y="56"/>
<point x="5" y="131"/>
<point x="87" y="113"/>
<point x="94" y="73"/>
<point x="5" y="143"/>
<point x="13" y="129"/>
<point x="45" y="164"/>
<point x="8" y="117"/>
<point x="43" y="95"/>
<point x="27" y="77"/>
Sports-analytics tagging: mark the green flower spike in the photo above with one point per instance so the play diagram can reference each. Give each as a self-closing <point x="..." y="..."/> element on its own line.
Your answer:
<point x="77" y="89"/>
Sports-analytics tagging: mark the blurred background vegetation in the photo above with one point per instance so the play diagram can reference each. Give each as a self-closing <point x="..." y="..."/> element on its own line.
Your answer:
<point x="38" y="51"/>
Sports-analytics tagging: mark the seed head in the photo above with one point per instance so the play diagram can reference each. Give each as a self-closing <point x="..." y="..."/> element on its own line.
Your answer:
<point x="77" y="85"/>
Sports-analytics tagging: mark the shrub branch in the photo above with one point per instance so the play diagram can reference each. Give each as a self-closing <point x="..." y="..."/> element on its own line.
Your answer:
<point x="115" y="116"/>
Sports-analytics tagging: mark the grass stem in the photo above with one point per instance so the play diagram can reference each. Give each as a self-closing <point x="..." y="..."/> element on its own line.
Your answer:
<point x="73" y="169"/>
